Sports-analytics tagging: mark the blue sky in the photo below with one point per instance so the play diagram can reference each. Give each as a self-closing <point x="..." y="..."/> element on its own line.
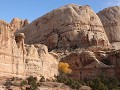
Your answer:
<point x="32" y="9"/>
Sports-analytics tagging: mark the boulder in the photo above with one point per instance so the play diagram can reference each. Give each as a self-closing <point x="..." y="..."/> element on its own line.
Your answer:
<point x="69" y="26"/>
<point x="110" y="18"/>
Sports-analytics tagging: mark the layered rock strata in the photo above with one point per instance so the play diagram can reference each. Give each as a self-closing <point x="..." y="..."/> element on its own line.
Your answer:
<point x="18" y="59"/>
<point x="39" y="62"/>
<point x="67" y="27"/>
<point x="11" y="58"/>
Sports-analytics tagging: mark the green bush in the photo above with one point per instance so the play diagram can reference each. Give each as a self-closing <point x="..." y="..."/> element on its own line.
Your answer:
<point x="23" y="82"/>
<point x="116" y="88"/>
<point x="99" y="83"/>
<point x="32" y="81"/>
<point x="73" y="83"/>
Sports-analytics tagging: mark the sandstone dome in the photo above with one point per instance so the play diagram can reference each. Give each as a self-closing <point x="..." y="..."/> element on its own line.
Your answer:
<point x="110" y="17"/>
<point x="68" y="26"/>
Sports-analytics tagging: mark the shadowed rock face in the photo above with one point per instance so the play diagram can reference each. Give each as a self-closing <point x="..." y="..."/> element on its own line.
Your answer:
<point x="85" y="59"/>
<point x="110" y="17"/>
<point x="68" y="26"/>
<point x="87" y="64"/>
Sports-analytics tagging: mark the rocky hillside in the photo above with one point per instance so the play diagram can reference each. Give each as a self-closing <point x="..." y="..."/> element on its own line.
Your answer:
<point x="70" y="26"/>
<point x="110" y="18"/>
<point x="78" y="31"/>
<point x="72" y="34"/>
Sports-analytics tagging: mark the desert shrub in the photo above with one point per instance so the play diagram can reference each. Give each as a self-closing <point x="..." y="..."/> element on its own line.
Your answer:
<point x="73" y="83"/>
<point x="112" y="83"/>
<point x="99" y="85"/>
<point x="8" y="84"/>
<point x="103" y="83"/>
<point x="116" y="88"/>
<point x="89" y="83"/>
<point x="15" y="83"/>
<point x="32" y="81"/>
<point x="23" y="82"/>
<point x="64" y="67"/>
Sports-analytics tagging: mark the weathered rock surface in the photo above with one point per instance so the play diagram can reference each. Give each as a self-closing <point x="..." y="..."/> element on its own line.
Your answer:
<point x="18" y="23"/>
<point x="87" y="64"/>
<point x="68" y="26"/>
<point x="83" y="59"/>
<point x="11" y="58"/>
<point x="18" y="59"/>
<point x="114" y="58"/>
<point x="110" y="18"/>
<point x="39" y="62"/>
<point x="2" y="87"/>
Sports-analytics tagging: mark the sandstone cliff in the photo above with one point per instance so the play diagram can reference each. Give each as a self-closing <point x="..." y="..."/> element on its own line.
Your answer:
<point x="39" y="62"/>
<point x="110" y="18"/>
<point x="11" y="58"/>
<point x="67" y="27"/>
<point x="18" y="59"/>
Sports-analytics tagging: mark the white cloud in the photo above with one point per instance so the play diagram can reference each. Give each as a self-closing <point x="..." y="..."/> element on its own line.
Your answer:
<point x="113" y="3"/>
